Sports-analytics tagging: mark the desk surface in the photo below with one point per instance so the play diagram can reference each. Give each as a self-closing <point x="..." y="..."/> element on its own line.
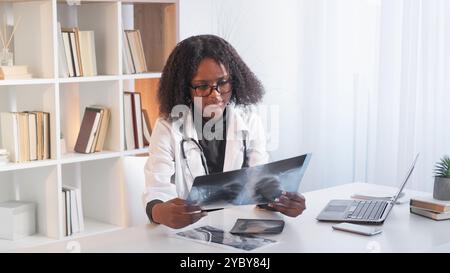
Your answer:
<point x="402" y="231"/>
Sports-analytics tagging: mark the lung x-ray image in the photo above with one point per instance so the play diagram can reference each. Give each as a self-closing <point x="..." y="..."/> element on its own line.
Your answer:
<point x="253" y="185"/>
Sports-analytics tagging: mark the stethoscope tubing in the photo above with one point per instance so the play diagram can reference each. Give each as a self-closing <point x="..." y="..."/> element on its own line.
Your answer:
<point x="202" y="154"/>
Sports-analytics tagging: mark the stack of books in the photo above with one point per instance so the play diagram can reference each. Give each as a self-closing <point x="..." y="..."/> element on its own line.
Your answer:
<point x="429" y="207"/>
<point x="93" y="130"/>
<point x="133" y="53"/>
<point x="73" y="210"/>
<point x="137" y="125"/>
<point x="25" y="135"/>
<point x="15" y="72"/>
<point x="3" y="157"/>
<point x="77" y="52"/>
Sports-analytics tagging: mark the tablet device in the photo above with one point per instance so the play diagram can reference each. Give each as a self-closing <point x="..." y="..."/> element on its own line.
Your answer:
<point x="257" y="226"/>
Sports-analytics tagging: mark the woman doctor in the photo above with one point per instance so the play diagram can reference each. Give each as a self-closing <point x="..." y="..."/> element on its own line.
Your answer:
<point x="206" y="125"/>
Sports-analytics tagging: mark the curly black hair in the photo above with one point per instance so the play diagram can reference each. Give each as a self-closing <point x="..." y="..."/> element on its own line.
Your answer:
<point x="182" y="64"/>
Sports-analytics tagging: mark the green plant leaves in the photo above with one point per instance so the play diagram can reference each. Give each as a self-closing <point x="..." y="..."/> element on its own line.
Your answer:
<point x="442" y="168"/>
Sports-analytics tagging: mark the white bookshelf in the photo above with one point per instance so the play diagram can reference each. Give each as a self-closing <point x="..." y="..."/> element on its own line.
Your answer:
<point x="100" y="176"/>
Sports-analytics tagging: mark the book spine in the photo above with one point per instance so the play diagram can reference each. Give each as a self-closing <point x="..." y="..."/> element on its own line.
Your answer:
<point x="135" y="122"/>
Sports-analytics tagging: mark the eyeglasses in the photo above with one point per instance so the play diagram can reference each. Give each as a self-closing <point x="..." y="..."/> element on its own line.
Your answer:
<point x="204" y="90"/>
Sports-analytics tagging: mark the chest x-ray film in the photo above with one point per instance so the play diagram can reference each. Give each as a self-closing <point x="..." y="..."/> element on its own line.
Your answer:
<point x="248" y="186"/>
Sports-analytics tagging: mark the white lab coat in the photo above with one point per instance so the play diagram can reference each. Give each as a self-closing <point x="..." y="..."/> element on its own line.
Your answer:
<point x="166" y="172"/>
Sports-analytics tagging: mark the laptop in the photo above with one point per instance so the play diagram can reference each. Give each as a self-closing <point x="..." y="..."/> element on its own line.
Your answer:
<point x="362" y="211"/>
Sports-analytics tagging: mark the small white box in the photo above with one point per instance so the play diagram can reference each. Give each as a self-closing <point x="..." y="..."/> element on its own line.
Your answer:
<point x="17" y="219"/>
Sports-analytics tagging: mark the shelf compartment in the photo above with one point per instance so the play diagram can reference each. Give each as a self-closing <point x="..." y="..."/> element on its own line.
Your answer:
<point x="39" y="185"/>
<point x="75" y="97"/>
<point x="19" y="98"/>
<point x="157" y="24"/>
<point x="33" y="39"/>
<point x="101" y="186"/>
<point x="102" y="18"/>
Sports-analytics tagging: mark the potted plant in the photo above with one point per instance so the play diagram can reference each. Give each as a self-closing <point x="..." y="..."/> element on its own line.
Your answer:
<point x="441" y="189"/>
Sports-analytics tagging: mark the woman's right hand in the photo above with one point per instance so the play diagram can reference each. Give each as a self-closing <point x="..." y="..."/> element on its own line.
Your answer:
<point x="176" y="213"/>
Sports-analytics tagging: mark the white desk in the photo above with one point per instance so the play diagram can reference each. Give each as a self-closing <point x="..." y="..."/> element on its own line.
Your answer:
<point x="402" y="232"/>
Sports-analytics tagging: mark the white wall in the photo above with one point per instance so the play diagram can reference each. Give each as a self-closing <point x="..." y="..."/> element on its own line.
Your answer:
<point x="359" y="83"/>
<point x="283" y="43"/>
<point x="265" y="34"/>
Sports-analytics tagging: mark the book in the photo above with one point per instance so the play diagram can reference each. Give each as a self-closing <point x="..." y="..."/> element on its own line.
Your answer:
<point x="128" y="66"/>
<point x="77" y="217"/>
<point x="86" y="135"/>
<point x="429" y="213"/>
<point x="15" y="72"/>
<point x="68" y="54"/>
<point x="26" y="135"/>
<point x="65" y="224"/>
<point x="94" y="133"/>
<point x="141" y="51"/>
<point x="74" y="50"/>
<point x="72" y="209"/>
<point x="128" y="120"/>
<point x="136" y="50"/>
<point x="46" y="135"/>
<point x="137" y="120"/>
<point x="103" y="129"/>
<point x="97" y="131"/>
<point x="62" y="58"/>
<point x="76" y="31"/>
<point x="67" y="207"/>
<point x="87" y="52"/>
<point x="74" y="44"/>
<point x="32" y="130"/>
<point x="146" y="127"/>
<point x="17" y="77"/>
<point x="40" y="135"/>
<point x="429" y="203"/>
<point x="24" y="144"/>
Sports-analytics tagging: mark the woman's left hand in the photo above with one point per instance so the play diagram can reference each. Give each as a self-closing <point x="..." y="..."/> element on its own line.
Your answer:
<point x="289" y="203"/>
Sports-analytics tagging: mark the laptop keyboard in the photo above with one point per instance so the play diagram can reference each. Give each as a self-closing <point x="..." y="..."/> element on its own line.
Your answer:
<point x="367" y="209"/>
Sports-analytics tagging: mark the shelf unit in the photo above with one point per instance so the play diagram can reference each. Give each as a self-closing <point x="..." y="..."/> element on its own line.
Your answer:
<point x="100" y="176"/>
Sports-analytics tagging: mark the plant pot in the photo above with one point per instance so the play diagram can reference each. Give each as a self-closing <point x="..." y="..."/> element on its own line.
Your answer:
<point x="441" y="189"/>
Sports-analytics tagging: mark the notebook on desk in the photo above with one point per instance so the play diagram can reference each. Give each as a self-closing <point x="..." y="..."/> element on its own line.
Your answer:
<point x="363" y="211"/>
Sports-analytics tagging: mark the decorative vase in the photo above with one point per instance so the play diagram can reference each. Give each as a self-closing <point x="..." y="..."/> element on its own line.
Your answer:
<point x="6" y="57"/>
<point x="441" y="190"/>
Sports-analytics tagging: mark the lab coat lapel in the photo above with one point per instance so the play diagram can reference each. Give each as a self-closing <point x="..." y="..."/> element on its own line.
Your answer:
<point x="234" y="150"/>
<point x="192" y="151"/>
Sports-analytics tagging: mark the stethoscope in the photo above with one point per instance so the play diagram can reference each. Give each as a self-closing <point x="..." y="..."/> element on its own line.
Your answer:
<point x="202" y="154"/>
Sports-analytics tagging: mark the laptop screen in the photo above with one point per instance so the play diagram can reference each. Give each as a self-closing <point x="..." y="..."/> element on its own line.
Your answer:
<point x="406" y="179"/>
